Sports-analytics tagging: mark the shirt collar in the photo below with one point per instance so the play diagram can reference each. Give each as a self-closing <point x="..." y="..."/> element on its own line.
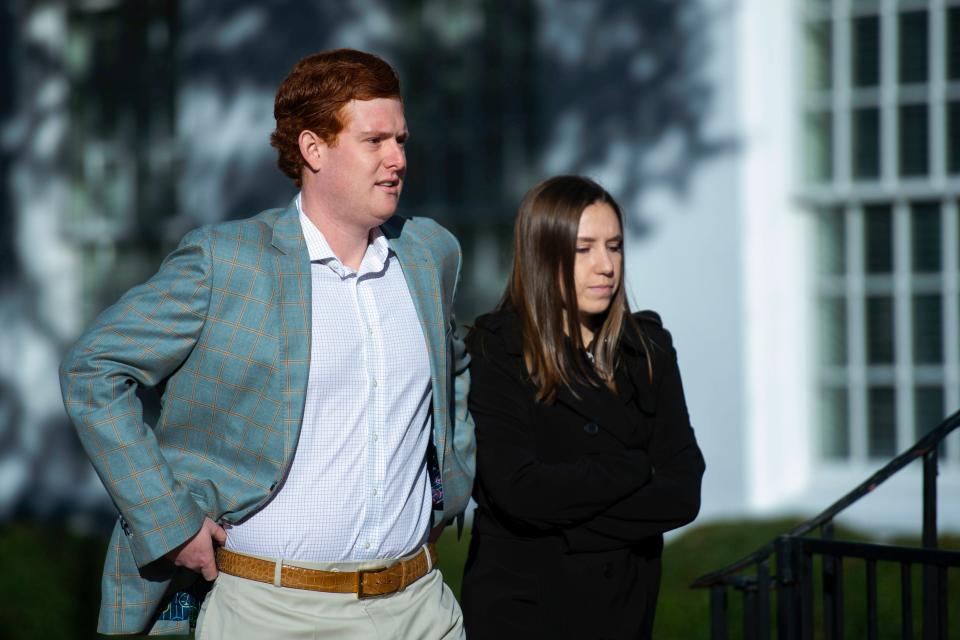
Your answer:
<point x="374" y="259"/>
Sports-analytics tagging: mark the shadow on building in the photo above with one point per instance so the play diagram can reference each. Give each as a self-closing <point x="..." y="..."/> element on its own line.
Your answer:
<point x="127" y="123"/>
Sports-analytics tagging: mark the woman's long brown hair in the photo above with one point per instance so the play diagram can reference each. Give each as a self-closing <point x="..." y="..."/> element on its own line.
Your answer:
<point x="543" y="293"/>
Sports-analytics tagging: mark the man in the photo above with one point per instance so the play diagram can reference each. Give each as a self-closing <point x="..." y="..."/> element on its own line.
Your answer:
<point x="313" y="419"/>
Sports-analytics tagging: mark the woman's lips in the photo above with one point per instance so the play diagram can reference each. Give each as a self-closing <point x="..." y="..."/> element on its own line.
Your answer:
<point x="603" y="289"/>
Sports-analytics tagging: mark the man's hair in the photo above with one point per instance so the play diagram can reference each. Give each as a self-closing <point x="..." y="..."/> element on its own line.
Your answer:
<point x="542" y="290"/>
<point x="313" y="95"/>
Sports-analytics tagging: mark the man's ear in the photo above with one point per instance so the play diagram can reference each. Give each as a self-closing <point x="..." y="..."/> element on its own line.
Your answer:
<point x="312" y="149"/>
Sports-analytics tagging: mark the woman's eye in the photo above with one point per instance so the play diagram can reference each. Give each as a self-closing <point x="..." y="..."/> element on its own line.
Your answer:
<point x="583" y="249"/>
<point x="616" y="247"/>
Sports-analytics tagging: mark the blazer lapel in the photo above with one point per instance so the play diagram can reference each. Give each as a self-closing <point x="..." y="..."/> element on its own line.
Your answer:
<point x="420" y="273"/>
<point x="292" y="264"/>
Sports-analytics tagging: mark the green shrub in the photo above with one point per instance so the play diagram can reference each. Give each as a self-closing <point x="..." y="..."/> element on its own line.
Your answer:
<point x="50" y="580"/>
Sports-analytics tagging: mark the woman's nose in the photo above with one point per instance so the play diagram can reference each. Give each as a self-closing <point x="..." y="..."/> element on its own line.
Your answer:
<point x="604" y="263"/>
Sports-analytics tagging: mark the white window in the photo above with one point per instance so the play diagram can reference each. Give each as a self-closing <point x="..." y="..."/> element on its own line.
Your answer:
<point x="881" y="137"/>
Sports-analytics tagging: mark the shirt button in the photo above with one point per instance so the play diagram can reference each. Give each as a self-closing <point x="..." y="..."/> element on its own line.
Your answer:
<point x="366" y="545"/>
<point x="375" y="492"/>
<point x="373" y="381"/>
<point x="376" y="437"/>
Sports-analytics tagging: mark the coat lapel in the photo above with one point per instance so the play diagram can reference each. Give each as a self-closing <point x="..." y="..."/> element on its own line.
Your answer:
<point x="592" y="403"/>
<point x="596" y="405"/>
<point x="611" y="414"/>
<point x="292" y="264"/>
<point x="420" y="273"/>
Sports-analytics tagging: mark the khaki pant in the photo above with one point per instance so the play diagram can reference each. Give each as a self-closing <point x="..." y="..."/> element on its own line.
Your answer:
<point x="241" y="609"/>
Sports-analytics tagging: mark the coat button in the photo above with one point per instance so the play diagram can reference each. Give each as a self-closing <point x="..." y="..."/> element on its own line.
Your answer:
<point x="591" y="428"/>
<point x="607" y="570"/>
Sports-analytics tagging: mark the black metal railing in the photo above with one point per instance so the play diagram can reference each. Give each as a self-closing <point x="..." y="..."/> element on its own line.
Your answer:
<point x="784" y="569"/>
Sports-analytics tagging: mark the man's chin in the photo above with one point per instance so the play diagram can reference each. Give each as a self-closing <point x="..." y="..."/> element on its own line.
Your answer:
<point x="380" y="217"/>
<point x="387" y="212"/>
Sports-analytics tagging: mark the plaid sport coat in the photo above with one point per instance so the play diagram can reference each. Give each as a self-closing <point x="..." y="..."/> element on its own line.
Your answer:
<point x="224" y="329"/>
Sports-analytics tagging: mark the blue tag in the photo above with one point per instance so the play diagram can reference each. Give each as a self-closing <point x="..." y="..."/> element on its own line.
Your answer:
<point x="436" y="477"/>
<point x="182" y="606"/>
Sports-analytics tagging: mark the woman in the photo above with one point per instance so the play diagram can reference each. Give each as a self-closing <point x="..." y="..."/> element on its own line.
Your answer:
<point x="585" y="454"/>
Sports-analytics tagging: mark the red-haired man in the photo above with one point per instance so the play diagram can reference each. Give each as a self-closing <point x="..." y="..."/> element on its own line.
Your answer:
<point x="314" y="435"/>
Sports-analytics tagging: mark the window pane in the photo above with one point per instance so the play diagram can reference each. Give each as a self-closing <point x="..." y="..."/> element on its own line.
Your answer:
<point x="881" y="422"/>
<point x="878" y="235"/>
<point x="953" y="137"/>
<point x="866" y="143"/>
<point x="928" y="413"/>
<point x="927" y="329"/>
<point x="834" y="427"/>
<point x="925" y="236"/>
<point x="819" y="54"/>
<point x="913" y="47"/>
<point x="833" y="331"/>
<point x="880" y="330"/>
<point x="832" y="241"/>
<point x="928" y="410"/>
<point x="913" y="139"/>
<point x="866" y="51"/>
<point x="120" y="153"/>
<point x="819" y="146"/>
<point x="953" y="43"/>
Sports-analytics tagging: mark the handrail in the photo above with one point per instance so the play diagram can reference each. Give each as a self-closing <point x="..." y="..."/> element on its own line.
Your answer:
<point x="923" y="446"/>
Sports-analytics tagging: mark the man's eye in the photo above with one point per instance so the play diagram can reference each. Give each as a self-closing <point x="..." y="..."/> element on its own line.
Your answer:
<point x="373" y="140"/>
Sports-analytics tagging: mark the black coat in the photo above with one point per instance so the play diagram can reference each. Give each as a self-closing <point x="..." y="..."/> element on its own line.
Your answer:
<point x="573" y="497"/>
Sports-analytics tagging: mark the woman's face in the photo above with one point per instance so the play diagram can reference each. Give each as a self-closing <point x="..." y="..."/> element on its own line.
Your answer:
<point x="599" y="260"/>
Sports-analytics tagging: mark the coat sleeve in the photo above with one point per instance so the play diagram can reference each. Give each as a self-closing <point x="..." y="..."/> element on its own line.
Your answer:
<point x="459" y="480"/>
<point x="138" y="342"/>
<point x="672" y="497"/>
<point x="512" y="478"/>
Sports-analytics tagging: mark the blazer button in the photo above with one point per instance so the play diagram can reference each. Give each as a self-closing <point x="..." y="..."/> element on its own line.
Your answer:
<point x="591" y="428"/>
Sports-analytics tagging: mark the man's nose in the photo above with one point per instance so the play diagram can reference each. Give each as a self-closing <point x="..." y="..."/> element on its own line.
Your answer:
<point x="396" y="157"/>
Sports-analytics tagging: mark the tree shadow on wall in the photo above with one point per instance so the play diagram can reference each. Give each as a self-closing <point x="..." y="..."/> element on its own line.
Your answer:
<point x="631" y="96"/>
<point x="500" y="96"/>
<point x="497" y="95"/>
<point x="232" y="57"/>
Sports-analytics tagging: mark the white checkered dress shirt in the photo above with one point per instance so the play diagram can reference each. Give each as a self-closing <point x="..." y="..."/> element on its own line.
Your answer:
<point x="358" y="486"/>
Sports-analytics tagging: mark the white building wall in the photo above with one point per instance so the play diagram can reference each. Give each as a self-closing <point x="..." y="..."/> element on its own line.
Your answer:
<point x="779" y="441"/>
<point x="785" y="473"/>
<point x="688" y="268"/>
<point x="729" y="266"/>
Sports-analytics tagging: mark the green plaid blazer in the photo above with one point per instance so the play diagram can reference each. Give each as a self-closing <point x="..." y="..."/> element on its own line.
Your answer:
<point x="224" y="329"/>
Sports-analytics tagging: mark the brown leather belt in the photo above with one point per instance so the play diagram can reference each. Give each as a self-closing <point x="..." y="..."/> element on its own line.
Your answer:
<point x="365" y="584"/>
